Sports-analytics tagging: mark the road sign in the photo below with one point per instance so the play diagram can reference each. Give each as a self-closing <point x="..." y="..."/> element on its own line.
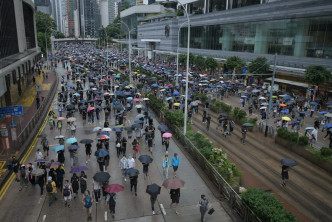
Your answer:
<point x="12" y="110"/>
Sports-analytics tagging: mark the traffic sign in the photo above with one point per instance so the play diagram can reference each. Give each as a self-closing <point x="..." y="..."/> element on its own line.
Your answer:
<point x="12" y="110"/>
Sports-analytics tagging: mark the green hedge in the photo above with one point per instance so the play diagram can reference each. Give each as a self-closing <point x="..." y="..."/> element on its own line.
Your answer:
<point x="291" y="137"/>
<point x="215" y="155"/>
<point x="219" y="106"/>
<point x="175" y="117"/>
<point x="266" y="206"/>
<point x="155" y="103"/>
<point x="326" y="152"/>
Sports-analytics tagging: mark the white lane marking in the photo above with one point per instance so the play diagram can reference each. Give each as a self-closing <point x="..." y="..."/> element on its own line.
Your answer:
<point x="44" y="218"/>
<point x="162" y="209"/>
<point x="105" y="216"/>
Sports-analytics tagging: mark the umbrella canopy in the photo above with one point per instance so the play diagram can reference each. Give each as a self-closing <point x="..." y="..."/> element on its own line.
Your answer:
<point x="58" y="148"/>
<point x="173" y="183"/>
<point x="96" y="129"/>
<point x="59" y="137"/>
<point x="101" y="153"/>
<point x="106" y="129"/>
<point x="101" y="177"/>
<point x="138" y="121"/>
<point x="153" y="189"/>
<point x="288" y="162"/>
<point x="78" y="169"/>
<point x="328" y="126"/>
<point x="145" y="159"/>
<point x="71" y="119"/>
<point x="114" y="188"/>
<point x="37" y="172"/>
<point x="71" y="140"/>
<point x="248" y="124"/>
<point x="86" y="141"/>
<point x="162" y="128"/>
<point x="54" y="165"/>
<point x="309" y="128"/>
<point x="286" y="118"/>
<point x="72" y="147"/>
<point x="60" y="118"/>
<point x="103" y="137"/>
<point x="167" y="135"/>
<point x="132" y="172"/>
<point x="138" y="106"/>
<point x="328" y="115"/>
<point x="41" y="161"/>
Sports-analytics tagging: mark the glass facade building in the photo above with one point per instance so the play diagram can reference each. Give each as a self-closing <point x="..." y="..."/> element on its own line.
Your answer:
<point x="304" y="37"/>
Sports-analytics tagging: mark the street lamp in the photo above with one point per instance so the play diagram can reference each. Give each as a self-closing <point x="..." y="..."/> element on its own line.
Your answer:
<point x="46" y="42"/>
<point x="177" y="56"/>
<point x="187" y="72"/>
<point x="129" y="49"/>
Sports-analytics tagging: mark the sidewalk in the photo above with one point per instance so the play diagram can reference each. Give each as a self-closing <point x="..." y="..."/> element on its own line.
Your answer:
<point x="129" y="208"/>
<point x="28" y="101"/>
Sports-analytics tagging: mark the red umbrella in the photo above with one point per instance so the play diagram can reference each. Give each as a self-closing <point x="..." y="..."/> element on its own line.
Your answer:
<point x="114" y="188"/>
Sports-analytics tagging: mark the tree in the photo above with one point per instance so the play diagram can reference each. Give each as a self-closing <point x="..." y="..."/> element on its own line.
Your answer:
<point x="200" y="62"/>
<point x="59" y="35"/>
<point x="44" y="23"/>
<point x="182" y="58"/>
<point x="170" y="58"/>
<point x="192" y="59"/>
<point x="317" y="75"/>
<point x="212" y="64"/>
<point x="259" y="66"/>
<point x="235" y="62"/>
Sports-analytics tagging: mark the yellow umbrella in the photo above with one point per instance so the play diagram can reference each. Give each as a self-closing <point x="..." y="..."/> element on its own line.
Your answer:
<point x="177" y="104"/>
<point x="286" y="118"/>
<point x="135" y="72"/>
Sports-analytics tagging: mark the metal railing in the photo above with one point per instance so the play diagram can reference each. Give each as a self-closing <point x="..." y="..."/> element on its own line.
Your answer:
<point x="29" y="130"/>
<point x="225" y="189"/>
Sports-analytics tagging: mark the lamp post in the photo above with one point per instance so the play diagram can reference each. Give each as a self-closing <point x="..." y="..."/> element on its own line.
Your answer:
<point x="271" y="94"/>
<point x="129" y="51"/>
<point x="187" y="72"/>
<point x="46" y="43"/>
<point x="177" y="56"/>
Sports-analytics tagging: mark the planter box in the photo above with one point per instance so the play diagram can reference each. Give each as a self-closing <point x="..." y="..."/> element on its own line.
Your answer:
<point x="326" y="165"/>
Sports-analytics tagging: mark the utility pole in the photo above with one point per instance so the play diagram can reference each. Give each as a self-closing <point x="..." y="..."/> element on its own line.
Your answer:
<point x="271" y="94"/>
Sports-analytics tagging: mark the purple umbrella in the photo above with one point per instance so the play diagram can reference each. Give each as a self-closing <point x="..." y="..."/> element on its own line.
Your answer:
<point x="78" y="169"/>
<point x="41" y="161"/>
<point x="294" y="122"/>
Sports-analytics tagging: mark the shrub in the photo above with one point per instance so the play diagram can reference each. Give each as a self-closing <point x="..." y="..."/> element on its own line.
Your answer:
<point x="282" y="132"/>
<point x="176" y="117"/>
<point x="265" y="206"/>
<point x="326" y="152"/>
<point x="303" y="140"/>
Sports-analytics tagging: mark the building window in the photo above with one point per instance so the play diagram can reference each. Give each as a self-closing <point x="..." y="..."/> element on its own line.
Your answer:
<point x="29" y="26"/>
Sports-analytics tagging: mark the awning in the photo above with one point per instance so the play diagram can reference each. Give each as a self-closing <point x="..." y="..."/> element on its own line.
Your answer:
<point x="289" y="82"/>
<point x="150" y="40"/>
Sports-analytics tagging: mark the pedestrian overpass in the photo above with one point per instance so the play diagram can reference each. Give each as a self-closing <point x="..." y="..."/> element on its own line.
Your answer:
<point x="55" y="42"/>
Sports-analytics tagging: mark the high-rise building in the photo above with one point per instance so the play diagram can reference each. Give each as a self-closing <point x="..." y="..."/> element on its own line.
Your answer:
<point x="43" y="6"/>
<point x="104" y="14"/>
<point x="113" y="10"/>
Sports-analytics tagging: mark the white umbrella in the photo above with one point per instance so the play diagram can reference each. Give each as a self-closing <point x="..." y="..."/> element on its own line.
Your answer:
<point x="328" y="115"/>
<point x="263" y="107"/>
<point x="262" y="98"/>
<point x="106" y="130"/>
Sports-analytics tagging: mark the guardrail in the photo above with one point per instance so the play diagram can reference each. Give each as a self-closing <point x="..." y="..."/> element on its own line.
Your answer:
<point x="29" y="129"/>
<point x="226" y="190"/>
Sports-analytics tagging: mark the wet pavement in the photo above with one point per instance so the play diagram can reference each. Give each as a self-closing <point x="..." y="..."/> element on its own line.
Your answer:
<point x="27" y="205"/>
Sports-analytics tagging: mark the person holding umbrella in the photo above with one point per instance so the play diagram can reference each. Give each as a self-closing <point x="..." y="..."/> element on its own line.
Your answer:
<point x="96" y="190"/>
<point x="123" y="164"/>
<point x="111" y="197"/>
<point x="244" y="134"/>
<point x="286" y="164"/>
<point x="153" y="190"/>
<point x="175" y="197"/>
<point x="88" y="152"/>
<point x="59" y="126"/>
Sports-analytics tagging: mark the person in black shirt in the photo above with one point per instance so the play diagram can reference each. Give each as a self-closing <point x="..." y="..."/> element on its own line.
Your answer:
<point x="208" y="121"/>
<point x="284" y="175"/>
<point x="133" y="183"/>
<point x="88" y="152"/>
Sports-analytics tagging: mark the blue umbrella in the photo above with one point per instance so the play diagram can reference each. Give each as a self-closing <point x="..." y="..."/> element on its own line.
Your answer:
<point x="309" y="128"/>
<point x="117" y="76"/>
<point x="58" y="148"/>
<point x="175" y="93"/>
<point x="70" y="86"/>
<point x="101" y="153"/>
<point x="71" y="140"/>
<point x="284" y="111"/>
<point x="314" y="103"/>
<point x="154" y="85"/>
<point x="328" y="126"/>
<point x="130" y="98"/>
<point x="117" y="129"/>
<point x="287" y="97"/>
<point x="72" y="147"/>
<point x="304" y="112"/>
<point x="76" y="94"/>
<point x="138" y="121"/>
<point x="323" y="112"/>
<point x="169" y="98"/>
<point x="182" y="105"/>
<point x="96" y="129"/>
<point x="83" y="101"/>
<point x="105" y="133"/>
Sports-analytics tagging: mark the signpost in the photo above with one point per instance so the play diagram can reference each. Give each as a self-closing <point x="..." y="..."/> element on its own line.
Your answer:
<point x="11" y="110"/>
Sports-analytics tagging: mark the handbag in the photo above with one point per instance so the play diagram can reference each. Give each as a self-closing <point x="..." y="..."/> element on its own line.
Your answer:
<point x="211" y="211"/>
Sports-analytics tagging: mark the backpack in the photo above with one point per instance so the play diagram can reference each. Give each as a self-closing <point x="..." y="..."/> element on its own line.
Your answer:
<point x="49" y="188"/>
<point x="66" y="191"/>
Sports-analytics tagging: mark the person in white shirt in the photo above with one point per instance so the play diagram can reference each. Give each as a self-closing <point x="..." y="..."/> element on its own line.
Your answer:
<point x="314" y="134"/>
<point x="131" y="162"/>
<point x="123" y="164"/>
<point x="39" y="155"/>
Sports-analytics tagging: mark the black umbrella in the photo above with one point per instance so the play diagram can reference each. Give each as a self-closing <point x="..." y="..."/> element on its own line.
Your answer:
<point x="86" y="141"/>
<point x="153" y="189"/>
<point x="223" y="114"/>
<point x="145" y="159"/>
<point x="163" y="128"/>
<point x="288" y="162"/>
<point x="82" y="107"/>
<point x="132" y="172"/>
<point x="101" y="177"/>
<point x="69" y="107"/>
